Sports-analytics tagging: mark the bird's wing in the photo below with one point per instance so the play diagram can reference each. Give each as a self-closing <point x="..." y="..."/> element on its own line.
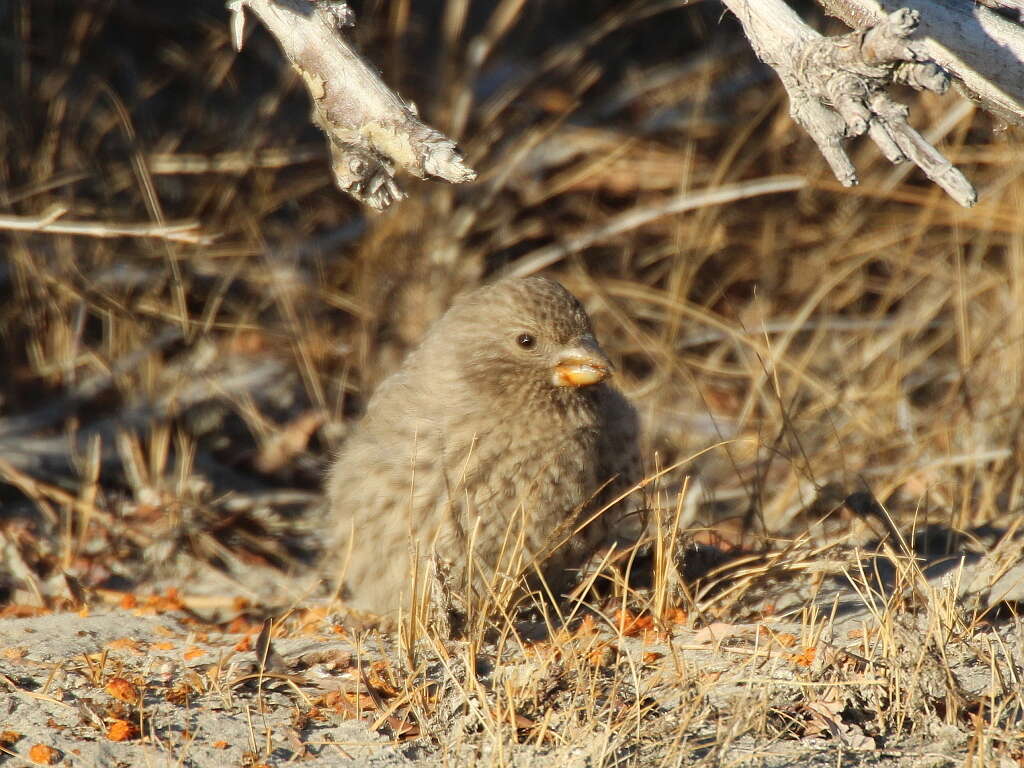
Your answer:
<point x="621" y="464"/>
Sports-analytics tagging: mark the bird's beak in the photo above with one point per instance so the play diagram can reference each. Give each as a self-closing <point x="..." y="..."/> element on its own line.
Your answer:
<point x="581" y="365"/>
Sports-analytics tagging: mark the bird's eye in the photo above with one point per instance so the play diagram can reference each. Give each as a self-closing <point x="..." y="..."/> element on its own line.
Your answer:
<point x="526" y="341"/>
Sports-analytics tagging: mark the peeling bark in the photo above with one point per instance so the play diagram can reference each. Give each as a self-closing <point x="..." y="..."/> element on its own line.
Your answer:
<point x="837" y="86"/>
<point x="369" y="128"/>
<point x="982" y="49"/>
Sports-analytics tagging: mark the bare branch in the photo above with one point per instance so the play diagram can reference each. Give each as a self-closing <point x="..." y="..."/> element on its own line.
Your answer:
<point x="837" y="85"/>
<point x="370" y="130"/>
<point x="983" y="49"/>
<point x="1006" y="6"/>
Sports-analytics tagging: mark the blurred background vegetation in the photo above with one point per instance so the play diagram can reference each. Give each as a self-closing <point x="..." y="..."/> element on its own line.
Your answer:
<point x="169" y="396"/>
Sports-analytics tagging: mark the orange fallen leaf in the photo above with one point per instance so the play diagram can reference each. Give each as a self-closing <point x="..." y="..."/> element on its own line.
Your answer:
<point x="652" y="656"/>
<point x="165" y="603"/>
<point x="165" y="645"/>
<point x="122" y="690"/>
<point x="786" y="639"/>
<point x="239" y="626"/>
<point x="312" y="620"/>
<point x="180" y="694"/>
<point x="380" y="677"/>
<point x="23" y="611"/>
<point x="856" y="634"/>
<point x="587" y="627"/>
<point x="603" y="655"/>
<point x="676" y="616"/>
<point x="245" y="644"/>
<point x="128" y="601"/>
<point x="122" y="730"/>
<point x="41" y="754"/>
<point x="193" y="653"/>
<point x="124" y="644"/>
<point x="631" y="625"/>
<point x="624" y="618"/>
<point x="542" y="651"/>
<point x="7" y="738"/>
<point x="220" y="745"/>
<point x="804" y="658"/>
<point x="348" y="703"/>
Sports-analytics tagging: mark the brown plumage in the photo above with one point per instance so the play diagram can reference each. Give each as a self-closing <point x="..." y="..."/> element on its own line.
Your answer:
<point x="498" y="435"/>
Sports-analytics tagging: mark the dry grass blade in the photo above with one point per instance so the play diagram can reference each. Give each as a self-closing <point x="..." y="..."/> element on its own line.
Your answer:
<point x="631" y="220"/>
<point x="51" y="221"/>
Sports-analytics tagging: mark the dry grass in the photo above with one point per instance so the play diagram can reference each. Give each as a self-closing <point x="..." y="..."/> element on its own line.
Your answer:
<point x="184" y="353"/>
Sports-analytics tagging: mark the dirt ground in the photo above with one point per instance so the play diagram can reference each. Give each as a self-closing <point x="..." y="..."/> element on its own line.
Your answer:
<point x="153" y="683"/>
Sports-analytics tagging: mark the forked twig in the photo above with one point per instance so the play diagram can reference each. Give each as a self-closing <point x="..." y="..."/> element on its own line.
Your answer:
<point x="837" y="86"/>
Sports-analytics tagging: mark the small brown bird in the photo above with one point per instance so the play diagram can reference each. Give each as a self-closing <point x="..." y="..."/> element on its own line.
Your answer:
<point x="490" y="447"/>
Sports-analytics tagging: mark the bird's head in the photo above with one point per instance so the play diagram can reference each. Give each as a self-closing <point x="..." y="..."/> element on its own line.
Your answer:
<point x="522" y="335"/>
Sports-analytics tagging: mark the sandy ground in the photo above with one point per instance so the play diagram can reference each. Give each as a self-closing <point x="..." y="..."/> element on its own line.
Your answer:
<point x="148" y="683"/>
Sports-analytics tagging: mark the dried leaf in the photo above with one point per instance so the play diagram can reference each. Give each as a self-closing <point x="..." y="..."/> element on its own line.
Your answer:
<point x="122" y="730"/>
<point x="122" y="690"/>
<point x="41" y="754"/>
<point x="9" y="738"/>
<point x="805" y="658"/>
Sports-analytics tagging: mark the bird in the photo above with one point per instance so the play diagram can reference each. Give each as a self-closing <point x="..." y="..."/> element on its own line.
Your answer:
<point x="494" y="448"/>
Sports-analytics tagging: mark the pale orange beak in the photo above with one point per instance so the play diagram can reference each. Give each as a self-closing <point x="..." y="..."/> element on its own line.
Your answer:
<point x="581" y="366"/>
